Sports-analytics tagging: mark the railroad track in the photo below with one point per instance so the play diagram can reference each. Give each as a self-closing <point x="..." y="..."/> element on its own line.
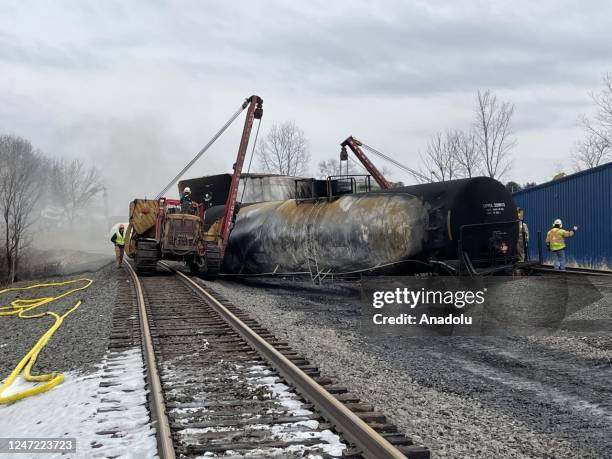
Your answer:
<point x="580" y="271"/>
<point x="221" y="384"/>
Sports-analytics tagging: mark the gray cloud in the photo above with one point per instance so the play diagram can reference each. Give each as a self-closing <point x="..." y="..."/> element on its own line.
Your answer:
<point x="36" y="53"/>
<point x="418" y="51"/>
<point x="402" y="48"/>
<point x="145" y="78"/>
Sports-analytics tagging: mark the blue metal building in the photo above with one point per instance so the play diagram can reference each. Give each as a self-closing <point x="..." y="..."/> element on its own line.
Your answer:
<point x="583" y="199"/>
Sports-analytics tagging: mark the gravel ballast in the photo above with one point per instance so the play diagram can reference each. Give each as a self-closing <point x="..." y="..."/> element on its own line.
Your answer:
<point x="80" y="342"/>
<point x="460" y="396"/>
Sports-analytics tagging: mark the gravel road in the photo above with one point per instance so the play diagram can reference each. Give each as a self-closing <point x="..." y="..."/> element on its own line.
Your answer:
<point x="460" y="396"/>
<point x="81" y="340"/>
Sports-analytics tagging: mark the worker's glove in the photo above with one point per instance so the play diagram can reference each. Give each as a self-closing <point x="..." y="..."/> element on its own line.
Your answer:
<point x="575" y="228"/>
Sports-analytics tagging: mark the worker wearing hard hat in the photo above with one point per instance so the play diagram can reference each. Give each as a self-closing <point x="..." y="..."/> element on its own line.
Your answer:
<point x="523" y="239"/>
<point x="555" y="241"/>
<point x="118" y="239"/>
<point x="186" y="202"/>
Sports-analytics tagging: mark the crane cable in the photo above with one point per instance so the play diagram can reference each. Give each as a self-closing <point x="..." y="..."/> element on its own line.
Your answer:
<point x="203" y="150"/>
<point x="396" y="163"/>
<point x="20" y="308"/>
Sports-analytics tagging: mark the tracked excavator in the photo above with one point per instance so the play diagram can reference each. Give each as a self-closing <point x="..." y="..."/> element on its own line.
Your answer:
<point x="163" y="229"/>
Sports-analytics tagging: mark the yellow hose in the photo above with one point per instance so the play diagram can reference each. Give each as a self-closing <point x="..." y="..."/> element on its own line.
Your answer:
<point x="21" y="308"/>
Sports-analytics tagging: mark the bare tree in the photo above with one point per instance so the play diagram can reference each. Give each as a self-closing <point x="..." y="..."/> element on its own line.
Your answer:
<point x="330" y="167"/>
<point x="592" y="151"/>
<point x="284" y="150"/>
<point x="74" y="184"/>
<point x="468" y="157"/>
<point x="20" y="189"/>
<point x="440" y="160"/>
<point x="494" y="133"/>
<point x="603" y="101"/>
<point x="596" y="146"/>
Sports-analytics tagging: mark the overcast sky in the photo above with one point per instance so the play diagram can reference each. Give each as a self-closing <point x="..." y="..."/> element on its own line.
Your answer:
<point x="139" y="87"/>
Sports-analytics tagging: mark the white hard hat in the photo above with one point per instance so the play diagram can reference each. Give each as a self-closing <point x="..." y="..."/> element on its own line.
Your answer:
<point x="187" y="190"/>
<point x="558" y="222"/>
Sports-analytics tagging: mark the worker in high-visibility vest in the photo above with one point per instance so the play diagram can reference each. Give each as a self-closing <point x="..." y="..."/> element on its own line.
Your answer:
<point x="523" y="233"/>
<point x="555" y="241"/>
<point x="119" y="240"/>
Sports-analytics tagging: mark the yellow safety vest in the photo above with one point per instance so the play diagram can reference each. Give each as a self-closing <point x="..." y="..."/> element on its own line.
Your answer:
<point x="120" y="238"/>
<point x="556" y="238"/>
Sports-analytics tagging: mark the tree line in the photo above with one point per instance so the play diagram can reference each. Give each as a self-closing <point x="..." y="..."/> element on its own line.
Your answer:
<point x="29" y="181"/>
<point x="595" y="148"/>
<point x="484" y="148"/>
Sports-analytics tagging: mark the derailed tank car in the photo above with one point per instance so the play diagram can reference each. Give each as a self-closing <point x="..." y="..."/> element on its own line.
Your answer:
<point x="466" y="225"/>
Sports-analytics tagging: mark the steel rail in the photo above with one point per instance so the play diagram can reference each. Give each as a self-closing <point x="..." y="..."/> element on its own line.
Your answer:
<point x="165" y="445"/>
<point x="568" y="270"/>
<point x="353" y="428"/>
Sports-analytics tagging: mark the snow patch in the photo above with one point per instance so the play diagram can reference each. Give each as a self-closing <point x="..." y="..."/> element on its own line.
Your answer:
<point x="330" y="442"/>
<point x="79" y="408"/>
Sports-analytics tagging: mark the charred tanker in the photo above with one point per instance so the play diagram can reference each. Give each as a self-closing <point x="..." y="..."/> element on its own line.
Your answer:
<point x="466" y="225"/>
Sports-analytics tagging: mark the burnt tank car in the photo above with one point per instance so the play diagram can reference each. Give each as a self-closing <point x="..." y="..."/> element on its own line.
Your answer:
<point x="466" y="225"/>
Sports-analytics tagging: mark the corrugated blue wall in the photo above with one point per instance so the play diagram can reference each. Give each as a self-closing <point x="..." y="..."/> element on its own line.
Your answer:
<point x="583" y="199"/>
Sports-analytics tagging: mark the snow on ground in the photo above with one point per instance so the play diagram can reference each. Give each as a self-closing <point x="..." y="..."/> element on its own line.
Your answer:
<point x="260" y="380"/>
<point x="108" y="421"/>
<point x="330" y="442"/>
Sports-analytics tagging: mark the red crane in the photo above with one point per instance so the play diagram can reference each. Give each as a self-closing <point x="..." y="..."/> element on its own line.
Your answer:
<point x="255" y="111"/>
<point x="171" y="235"/>
<point x="355" y="145"/>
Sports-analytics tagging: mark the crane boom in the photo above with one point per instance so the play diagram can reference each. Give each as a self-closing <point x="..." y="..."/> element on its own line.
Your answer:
<point x="355" y="146"/>
<point x="255" y="111"/>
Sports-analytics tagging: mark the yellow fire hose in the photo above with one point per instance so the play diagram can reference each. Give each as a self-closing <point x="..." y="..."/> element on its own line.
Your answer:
<point x="20" y="308"/>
